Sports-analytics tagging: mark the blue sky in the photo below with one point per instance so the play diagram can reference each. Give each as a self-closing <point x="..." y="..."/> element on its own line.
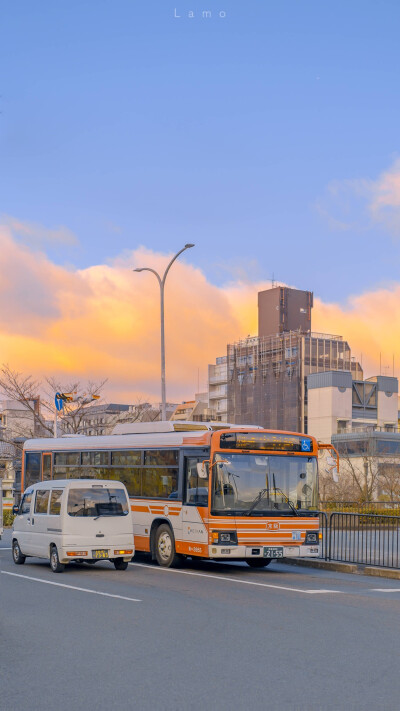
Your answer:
<point x="261" y="136"/>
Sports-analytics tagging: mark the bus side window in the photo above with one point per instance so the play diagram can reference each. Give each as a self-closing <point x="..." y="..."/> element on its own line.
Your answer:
<point x="32" y="468"/>
<point x="46" y="467"/>
<point x="196" y="491"/>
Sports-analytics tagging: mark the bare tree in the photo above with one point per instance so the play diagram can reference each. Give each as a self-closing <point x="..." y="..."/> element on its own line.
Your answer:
<point x="358" y="480"/>
<point x="72" y="417"/>
<point x="36" y="417"/>
<point x="389" y="479"/>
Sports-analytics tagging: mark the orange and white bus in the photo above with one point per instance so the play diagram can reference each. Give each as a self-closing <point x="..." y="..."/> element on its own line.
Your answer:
<point x="221" y="492"/>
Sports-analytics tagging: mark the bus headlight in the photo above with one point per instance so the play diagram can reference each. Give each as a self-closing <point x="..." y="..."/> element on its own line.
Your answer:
<point x="226" y="538"/>
<point x="312" y="538"/>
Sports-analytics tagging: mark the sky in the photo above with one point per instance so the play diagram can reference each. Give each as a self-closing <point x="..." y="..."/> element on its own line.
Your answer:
<point x="266" y="133"/>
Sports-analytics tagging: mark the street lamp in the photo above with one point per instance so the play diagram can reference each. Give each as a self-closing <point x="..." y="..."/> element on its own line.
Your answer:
<point x="161" y="282"/>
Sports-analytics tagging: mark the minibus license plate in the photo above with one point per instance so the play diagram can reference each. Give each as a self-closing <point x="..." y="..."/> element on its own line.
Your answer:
<point x="101" y="553"/>
<point x="270" y="552"/>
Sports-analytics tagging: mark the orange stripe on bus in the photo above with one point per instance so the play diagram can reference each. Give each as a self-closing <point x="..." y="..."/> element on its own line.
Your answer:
<point x="142" y="543"/>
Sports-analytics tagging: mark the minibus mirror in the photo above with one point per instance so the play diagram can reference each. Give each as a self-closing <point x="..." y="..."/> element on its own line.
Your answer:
<point x="15" y="509"/>
<point x="202" y="472"/>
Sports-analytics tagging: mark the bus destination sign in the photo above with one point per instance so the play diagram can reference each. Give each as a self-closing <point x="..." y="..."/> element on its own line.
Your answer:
<point x="266" y="441"/>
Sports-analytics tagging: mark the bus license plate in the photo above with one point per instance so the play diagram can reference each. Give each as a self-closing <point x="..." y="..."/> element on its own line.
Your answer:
<point x="270" y="552"/>
<point x="101" y="553"/>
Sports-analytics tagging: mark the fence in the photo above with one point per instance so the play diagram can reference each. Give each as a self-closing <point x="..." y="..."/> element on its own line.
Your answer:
<point x="388" y="508"/>
<point x="363" y="538"/>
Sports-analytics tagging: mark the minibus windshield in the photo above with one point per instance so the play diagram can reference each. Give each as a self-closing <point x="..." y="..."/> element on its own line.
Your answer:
<point x="97" y="502"/>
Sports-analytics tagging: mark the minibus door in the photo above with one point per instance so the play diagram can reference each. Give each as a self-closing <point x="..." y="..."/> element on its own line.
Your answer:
<point x="195" y="506"/>
<point x="22" y="524"/>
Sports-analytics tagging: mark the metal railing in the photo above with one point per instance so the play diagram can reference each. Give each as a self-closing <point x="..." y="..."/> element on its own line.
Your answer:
<point x="361" y="538"/>
<point x="382" y="507"/>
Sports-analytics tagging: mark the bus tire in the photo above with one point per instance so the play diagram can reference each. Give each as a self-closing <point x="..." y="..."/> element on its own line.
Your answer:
<point x="258" y="562"/>
<point x="120" y="564"/>
<point x="55" y="564"/>
<point x="166" y="555"/>
<point x="18" y="558"/>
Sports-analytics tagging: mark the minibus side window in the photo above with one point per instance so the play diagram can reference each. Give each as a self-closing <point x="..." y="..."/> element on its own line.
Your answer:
<point x="41" y="501"/>
<point x="26" y="503"/>
<point x="55" y="502"/>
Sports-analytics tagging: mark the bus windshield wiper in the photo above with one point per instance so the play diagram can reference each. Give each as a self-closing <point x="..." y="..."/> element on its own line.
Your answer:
<point x="258" y="498"/>
<point x="289" y="503"/>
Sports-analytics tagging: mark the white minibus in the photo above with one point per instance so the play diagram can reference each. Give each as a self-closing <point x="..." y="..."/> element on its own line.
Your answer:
<point x="74" y="520"/>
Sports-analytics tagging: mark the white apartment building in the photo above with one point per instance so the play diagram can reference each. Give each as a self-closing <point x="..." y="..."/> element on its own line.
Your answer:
<point x="218" y="388"/>
<point x="338" y="405"/>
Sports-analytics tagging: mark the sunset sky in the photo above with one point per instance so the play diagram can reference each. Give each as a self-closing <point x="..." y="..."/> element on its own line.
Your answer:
<point x="269" y="137"/>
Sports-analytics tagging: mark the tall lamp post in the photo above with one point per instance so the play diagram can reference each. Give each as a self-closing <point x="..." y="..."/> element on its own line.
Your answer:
<point x="161" y="282"/>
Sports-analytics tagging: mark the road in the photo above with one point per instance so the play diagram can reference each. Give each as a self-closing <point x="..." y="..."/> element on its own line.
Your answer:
<point x="209" y="636"/>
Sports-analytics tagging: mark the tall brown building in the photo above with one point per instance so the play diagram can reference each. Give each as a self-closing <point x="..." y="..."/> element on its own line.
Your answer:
<point x="267" y="374"/>
<point x="282" y="309"/>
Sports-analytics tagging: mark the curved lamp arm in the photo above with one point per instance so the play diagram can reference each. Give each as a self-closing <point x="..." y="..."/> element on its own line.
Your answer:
<point x="187" y="246"/>
<point x="148" y="269"/>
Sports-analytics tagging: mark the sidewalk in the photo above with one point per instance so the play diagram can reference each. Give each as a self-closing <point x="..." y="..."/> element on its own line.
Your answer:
<point x="354" y="568"/>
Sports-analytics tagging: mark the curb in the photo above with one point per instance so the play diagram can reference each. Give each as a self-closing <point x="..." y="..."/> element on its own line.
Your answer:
<point x="352" y="568"/>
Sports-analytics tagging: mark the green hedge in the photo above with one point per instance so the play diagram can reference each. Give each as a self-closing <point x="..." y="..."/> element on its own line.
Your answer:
<point x="8" y="518"/>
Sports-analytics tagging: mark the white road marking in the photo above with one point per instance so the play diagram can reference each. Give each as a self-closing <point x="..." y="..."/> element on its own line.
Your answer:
<point x="385" y="589"/>
<point x="72" y="587"/>
<point x="235" y="580"/>
<point x="6" y="549"/>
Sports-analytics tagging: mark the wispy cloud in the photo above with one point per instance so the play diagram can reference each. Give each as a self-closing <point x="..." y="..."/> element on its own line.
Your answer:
<point x="38" y="236"/>
<point x="361" y="204"/>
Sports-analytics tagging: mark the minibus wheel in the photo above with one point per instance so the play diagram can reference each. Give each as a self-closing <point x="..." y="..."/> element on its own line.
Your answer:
<point x="165" y="547"/>
<point x="18" y="558"/>
<point x="55" y="564"/>
<point x="120" y="564"/>
<point x="258" y="562"/>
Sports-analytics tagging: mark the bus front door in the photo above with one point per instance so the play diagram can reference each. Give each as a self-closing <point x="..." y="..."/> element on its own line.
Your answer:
<point x="194" y="509"/>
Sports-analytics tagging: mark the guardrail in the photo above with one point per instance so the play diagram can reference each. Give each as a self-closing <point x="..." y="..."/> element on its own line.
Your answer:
<point x="363" y="538"/>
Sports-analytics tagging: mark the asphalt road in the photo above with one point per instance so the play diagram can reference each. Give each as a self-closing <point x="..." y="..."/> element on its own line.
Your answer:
<point x="209" y="636"/>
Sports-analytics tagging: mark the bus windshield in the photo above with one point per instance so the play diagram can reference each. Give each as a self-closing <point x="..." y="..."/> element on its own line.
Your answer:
<point x="258" y="484"/>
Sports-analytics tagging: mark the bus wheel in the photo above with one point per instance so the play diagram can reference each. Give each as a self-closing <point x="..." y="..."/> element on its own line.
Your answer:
<point x="258" y="562"/>
<point x="165" y="547"/>
<point x="18" y="558"/>
<point x="55" y="564"/>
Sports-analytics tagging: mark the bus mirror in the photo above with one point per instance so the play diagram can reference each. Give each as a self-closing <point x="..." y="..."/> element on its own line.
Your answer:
<point x="15" y="509"/>
<point x="202" y="469"/>
<point x="334" y="472"/>
<point x="331" y="461"/>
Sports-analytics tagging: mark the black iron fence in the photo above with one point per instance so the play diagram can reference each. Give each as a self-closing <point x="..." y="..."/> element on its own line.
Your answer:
<point x="363" y="538"/>
<point x="388" y="508"/>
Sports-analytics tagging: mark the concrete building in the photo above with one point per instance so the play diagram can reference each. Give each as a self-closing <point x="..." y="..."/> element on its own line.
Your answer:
<point x="281" y="310"/>
<point x="339" y="404"/>
<point x="196" y="410"/>
<point x="100" y="419"/>
<point x="218" y="388"/>
<point x="267" y="374"/>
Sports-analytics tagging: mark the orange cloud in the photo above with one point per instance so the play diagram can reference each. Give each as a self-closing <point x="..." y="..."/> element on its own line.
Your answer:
<point x="104" y="322"/>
